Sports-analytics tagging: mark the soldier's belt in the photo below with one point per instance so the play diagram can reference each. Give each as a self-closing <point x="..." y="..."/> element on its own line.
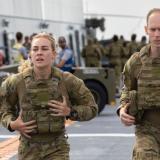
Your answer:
<point x="152" y="116"/>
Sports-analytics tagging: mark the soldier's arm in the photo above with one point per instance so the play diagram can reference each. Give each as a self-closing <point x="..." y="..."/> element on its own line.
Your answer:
<point x="99" y="54"/>
<point x="130" y="72"/>
<point x="8" y="110"/>
<point x="83" y="105"/>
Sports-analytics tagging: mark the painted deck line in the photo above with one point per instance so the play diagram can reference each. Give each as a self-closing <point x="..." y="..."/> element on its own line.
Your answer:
<point x="86" y="135"/>
<point x="102" y="135"/>
<point x="7" y="136"/>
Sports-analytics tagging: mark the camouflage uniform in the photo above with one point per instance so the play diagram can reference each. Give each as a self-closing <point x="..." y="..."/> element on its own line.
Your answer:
<point x="132" y="47"/>
<point x="3" y="76"/>
<point x="92" y="55"/>
<point x="115" y="54"/>
<point x="142" y="82"/>
<point x="48" y="139"/>
<point x="99" y="47"/>
<point x="142" y="43"/>
<point x="125" y="55"/>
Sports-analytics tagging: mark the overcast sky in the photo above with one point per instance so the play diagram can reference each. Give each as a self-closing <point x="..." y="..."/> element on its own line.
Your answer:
<point x="122" y="17"/>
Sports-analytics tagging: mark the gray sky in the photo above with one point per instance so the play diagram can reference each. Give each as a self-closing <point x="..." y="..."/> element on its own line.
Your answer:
<point x="123" y="17"/>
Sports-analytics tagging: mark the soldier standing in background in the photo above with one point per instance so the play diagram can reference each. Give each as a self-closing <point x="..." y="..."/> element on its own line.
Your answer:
<point x="115" y="52"/>
<point x="92" y="55"/>
<point x="140" y="102"/>
<point x="142" y="43"/>
<point x="46" y="96"/>
<point x="132" y="45"/>
<point x="125" y="55"/>
<point x="99" y="47"/>
<point x="121" y="40"/>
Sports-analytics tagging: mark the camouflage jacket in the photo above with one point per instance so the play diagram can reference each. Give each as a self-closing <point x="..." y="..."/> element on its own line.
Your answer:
<point x="80" y="97"/>
<point x="131" y="72"/>
<point x="141" y="83"/>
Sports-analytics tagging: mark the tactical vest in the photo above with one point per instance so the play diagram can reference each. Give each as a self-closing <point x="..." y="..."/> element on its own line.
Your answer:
<point x="149" y="83"/>
<point x="34" y="106"/>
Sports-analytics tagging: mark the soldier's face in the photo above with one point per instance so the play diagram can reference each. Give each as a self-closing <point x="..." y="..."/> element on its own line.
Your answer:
<point x="42" y="54"/>
<point x="62" y="43"/>
<point x="153" y="29"/>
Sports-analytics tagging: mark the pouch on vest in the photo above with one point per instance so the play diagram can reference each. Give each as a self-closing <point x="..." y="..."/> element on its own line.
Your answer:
<point x="49" y="124"/>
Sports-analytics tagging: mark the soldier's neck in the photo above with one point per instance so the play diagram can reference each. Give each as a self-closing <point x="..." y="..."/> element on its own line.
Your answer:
<point x="42" y="74"/>
<point x="155" y="52"/>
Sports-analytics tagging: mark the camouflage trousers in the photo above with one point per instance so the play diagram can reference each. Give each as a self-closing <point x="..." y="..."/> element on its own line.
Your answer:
<point x="51" y="150"/>
<point x="147" y="145"/>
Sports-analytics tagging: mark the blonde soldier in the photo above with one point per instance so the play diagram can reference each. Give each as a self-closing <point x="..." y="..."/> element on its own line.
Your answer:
<point x="46" y="96"/>
<point x="140" y="102"/>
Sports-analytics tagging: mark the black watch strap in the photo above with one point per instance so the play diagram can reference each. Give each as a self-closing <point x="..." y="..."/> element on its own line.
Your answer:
<point x="73" y="115"/>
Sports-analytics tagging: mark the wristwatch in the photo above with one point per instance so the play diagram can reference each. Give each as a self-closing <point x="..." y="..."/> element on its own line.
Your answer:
<point x="73" y="114"/>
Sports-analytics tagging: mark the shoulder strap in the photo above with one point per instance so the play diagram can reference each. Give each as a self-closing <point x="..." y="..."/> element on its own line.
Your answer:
<point x="137" y="56"/>
<point x="27" y="77"/>
<point x="60" y="74"/>
<point x="64" y="90"/>
<point x="142" y="57"/>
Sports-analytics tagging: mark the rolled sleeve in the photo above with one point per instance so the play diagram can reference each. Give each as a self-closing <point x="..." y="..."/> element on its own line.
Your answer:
<point x="9" y="100"/>
<point x="81" y="99"/>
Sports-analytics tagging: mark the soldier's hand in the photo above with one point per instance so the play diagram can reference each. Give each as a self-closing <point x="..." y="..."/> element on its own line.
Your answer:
<point x="58" y="108"/>
<point x="23" y="127"/>
<point x="126" y="119"/>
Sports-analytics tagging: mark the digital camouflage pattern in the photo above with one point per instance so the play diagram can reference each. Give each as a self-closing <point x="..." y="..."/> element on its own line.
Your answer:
<point x="149" y="83"/>
<point x="142" y="82"/>
<point x="32" y="97"/>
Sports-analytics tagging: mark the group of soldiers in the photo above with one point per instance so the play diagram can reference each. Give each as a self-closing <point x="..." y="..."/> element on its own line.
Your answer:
<point x="114" y="54"/>
<point x="37" y="100"/>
